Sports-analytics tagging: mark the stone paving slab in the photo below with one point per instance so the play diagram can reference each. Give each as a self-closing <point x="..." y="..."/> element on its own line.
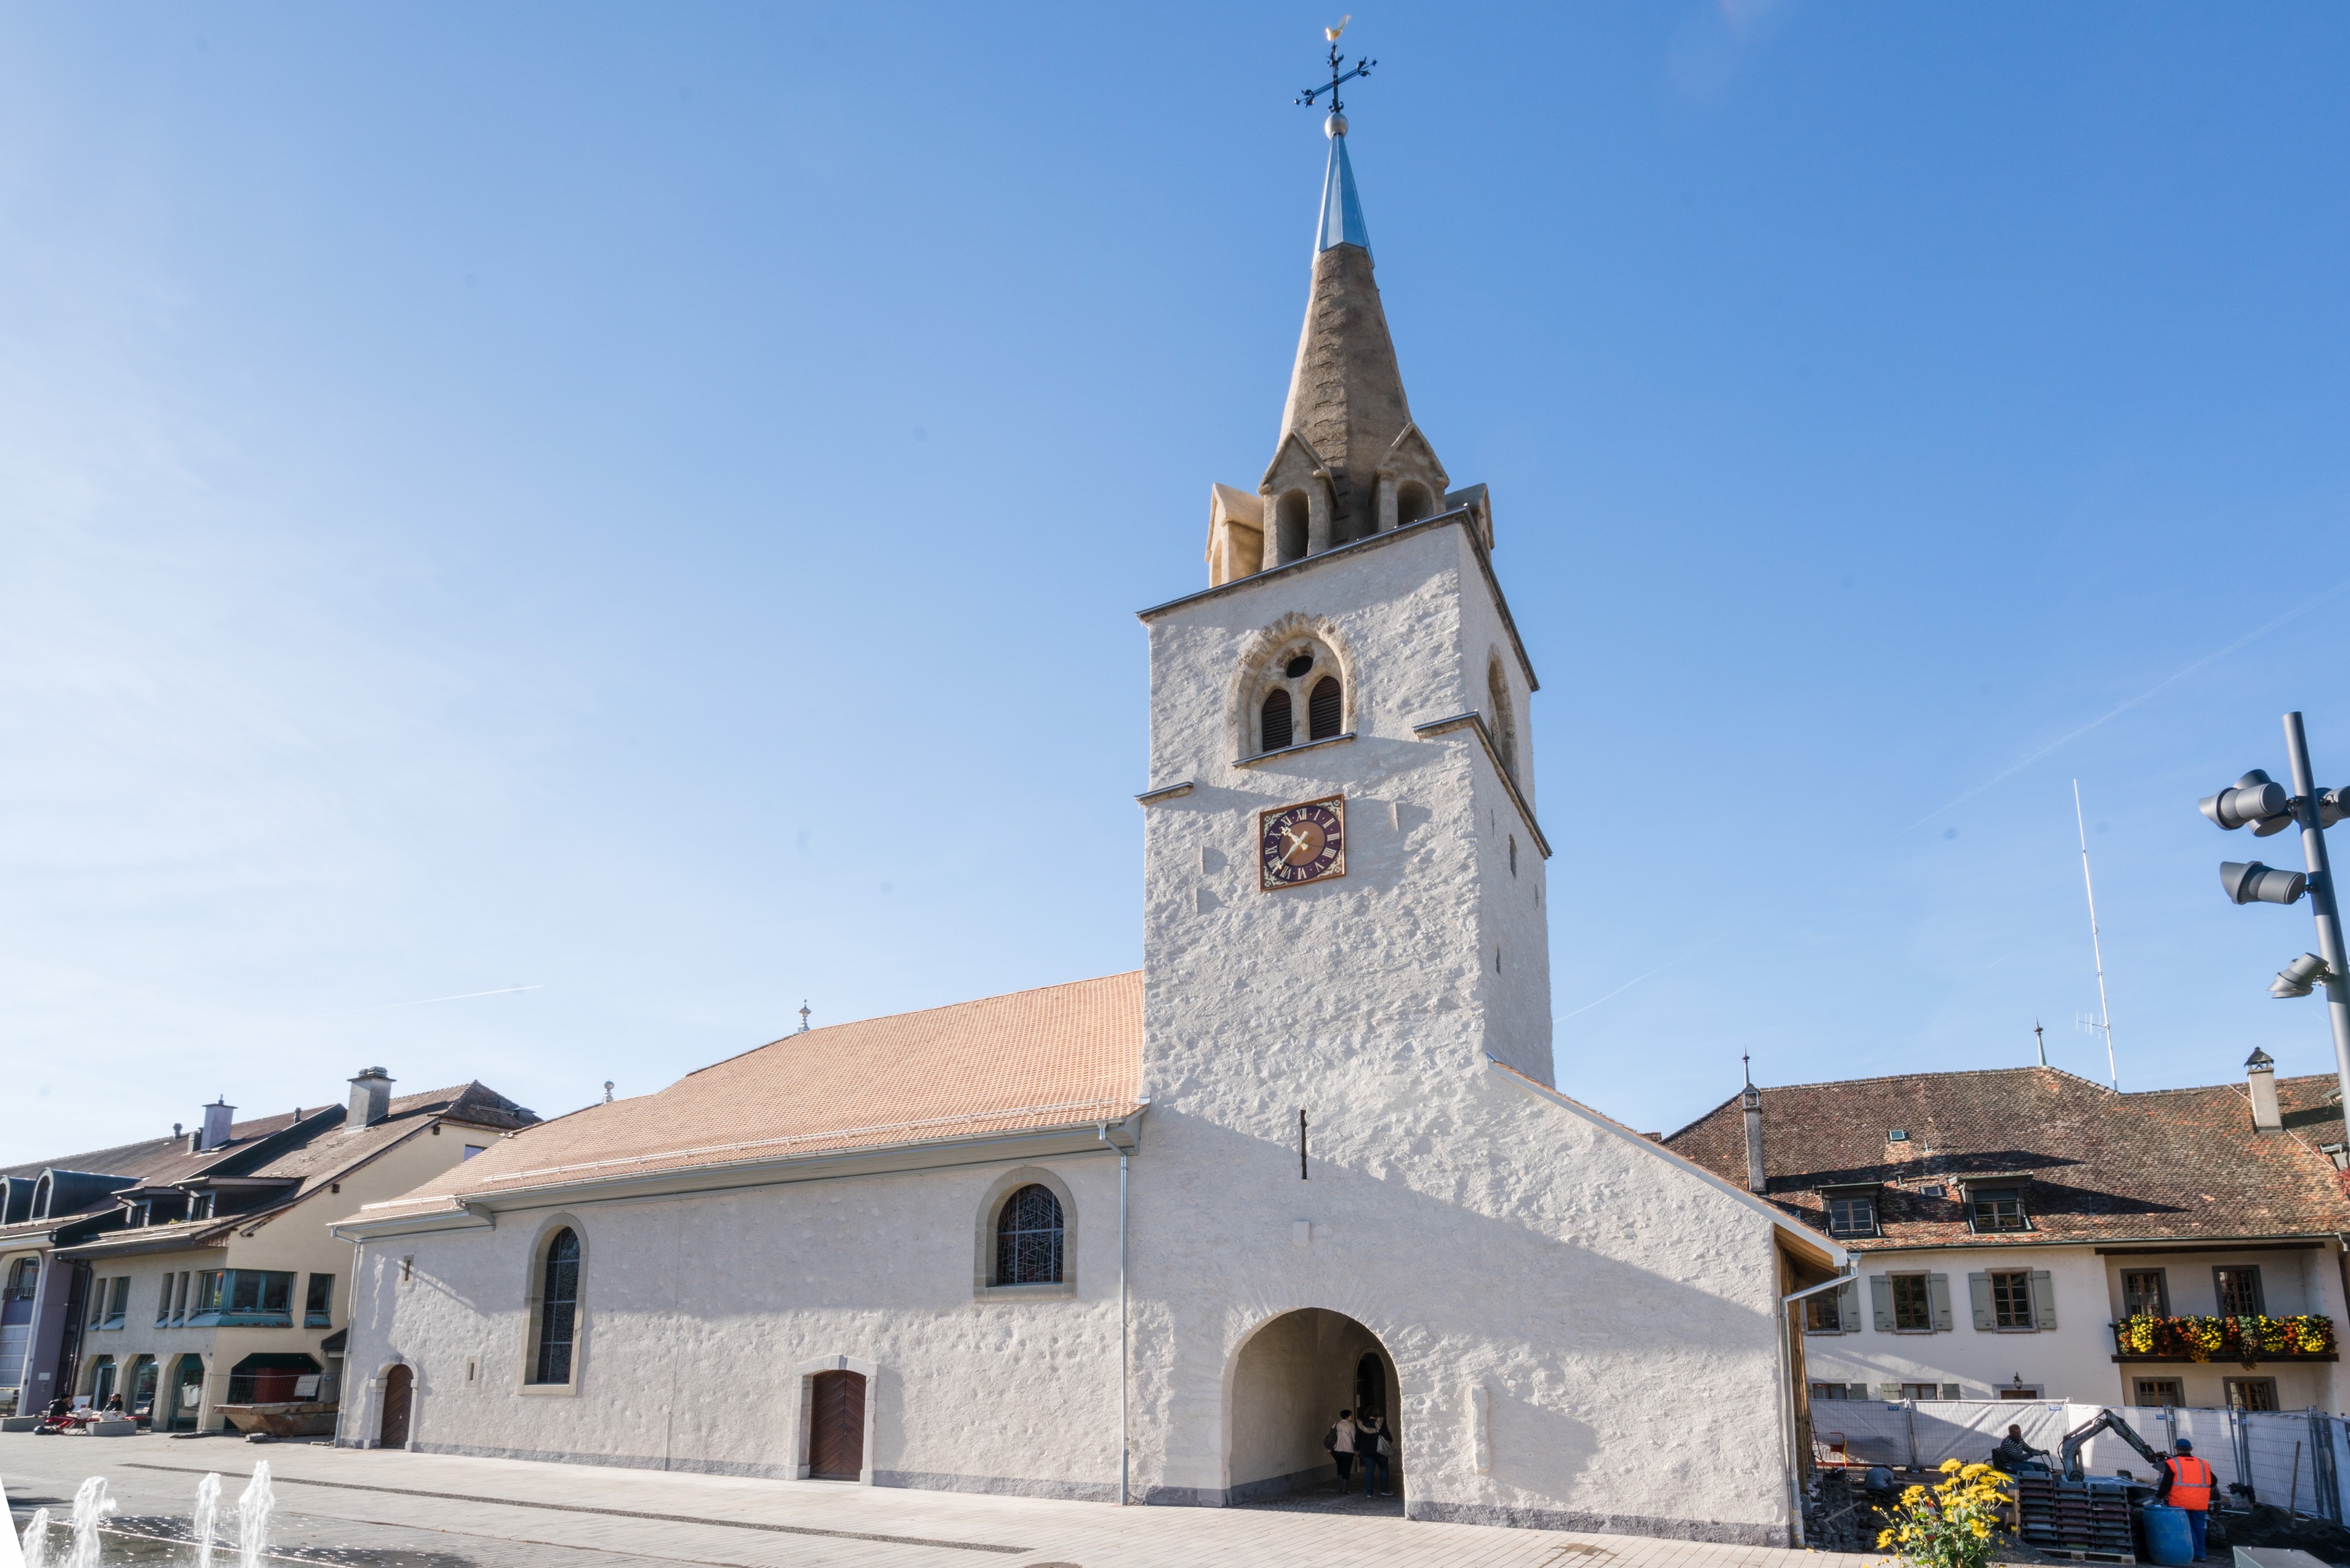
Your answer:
<point x="517" y="1513"/>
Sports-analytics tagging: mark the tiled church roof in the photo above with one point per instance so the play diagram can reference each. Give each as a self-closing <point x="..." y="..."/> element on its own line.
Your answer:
<point x="1065" y="1056"/>
<point x="2101" y="1166"/>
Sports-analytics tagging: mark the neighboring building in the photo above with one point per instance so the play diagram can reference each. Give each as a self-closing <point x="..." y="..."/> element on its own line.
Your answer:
<point x="199" y="1269"/>
<point x="2006" y="1221"/>
<point x="1146" y="1236"/>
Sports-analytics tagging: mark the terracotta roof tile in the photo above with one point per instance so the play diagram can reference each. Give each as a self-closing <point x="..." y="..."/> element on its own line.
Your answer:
<point x="1059" y="1056"/>
<point x="2102" y="1166"/>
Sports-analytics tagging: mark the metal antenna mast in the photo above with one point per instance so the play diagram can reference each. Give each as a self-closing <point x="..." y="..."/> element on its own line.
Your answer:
<point x="2104" y="1015"/>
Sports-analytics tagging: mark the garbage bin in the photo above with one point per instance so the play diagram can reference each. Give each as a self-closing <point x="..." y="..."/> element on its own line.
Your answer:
<point x="2167" y="1538"/>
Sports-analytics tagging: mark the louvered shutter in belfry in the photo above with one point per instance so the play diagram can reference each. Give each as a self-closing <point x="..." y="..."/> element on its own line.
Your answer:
<point x="1277" y="721"/>
<point x="1322" y="710"/>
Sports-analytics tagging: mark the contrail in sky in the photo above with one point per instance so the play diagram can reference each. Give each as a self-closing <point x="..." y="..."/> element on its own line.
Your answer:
<point x="2069" y="736"/>
<point x="422" y="1001"/>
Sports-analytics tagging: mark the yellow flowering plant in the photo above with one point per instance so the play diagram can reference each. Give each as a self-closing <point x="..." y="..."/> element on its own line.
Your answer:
<point x="1955" y="1524"/>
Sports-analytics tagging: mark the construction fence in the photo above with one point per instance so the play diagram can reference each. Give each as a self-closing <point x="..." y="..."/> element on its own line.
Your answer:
<point x="2292" y="1460"/>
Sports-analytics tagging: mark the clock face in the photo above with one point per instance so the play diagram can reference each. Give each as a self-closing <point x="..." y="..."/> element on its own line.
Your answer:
<point x="1300" y="844"/>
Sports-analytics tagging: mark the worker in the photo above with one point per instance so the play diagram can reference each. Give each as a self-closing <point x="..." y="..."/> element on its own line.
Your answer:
<point x="2013" y="1453"/>
<point x="2187" y="1483"/>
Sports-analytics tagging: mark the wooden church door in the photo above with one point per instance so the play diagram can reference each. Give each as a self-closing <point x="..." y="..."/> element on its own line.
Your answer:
<point x="836" y="1435"/>
<point x="398" y="1386"/>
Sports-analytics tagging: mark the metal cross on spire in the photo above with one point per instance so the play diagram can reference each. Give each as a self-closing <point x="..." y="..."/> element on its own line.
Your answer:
<point x="1362" y="69"/>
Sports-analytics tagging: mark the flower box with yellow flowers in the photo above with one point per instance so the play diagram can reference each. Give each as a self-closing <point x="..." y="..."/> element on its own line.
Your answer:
<point x="2303" y="1336"/>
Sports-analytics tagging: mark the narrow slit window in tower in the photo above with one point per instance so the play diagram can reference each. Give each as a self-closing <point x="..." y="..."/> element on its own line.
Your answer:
<point x="1412" y="503"/>
<point x="1289" y="527"/>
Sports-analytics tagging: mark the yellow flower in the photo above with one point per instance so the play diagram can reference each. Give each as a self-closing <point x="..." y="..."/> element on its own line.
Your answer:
<point x="1884" y="1539"/>
<point x="1950" y="1465"/>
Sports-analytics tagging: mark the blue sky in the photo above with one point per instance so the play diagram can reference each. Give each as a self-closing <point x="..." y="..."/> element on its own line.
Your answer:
<point x="648" y="503"/>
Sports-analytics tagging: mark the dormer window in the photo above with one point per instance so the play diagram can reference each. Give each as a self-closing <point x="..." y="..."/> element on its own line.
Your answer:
<point x="1852" y="1214"/>
<point x="1996" y="1209"/>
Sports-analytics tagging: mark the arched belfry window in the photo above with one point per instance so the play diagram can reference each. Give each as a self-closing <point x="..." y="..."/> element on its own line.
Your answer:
<point x="1028" y="1229"/>
<point x="1297" y="695"/>
<point x="1500" y="720"/>
<point x="558" y="1308"/>
<point x="1290" y="517"/>
<point x="1274" y="732"/>
<point x="1413" y="503"/>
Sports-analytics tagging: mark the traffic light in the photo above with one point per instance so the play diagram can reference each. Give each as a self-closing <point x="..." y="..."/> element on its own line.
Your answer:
<point x="2299" y="978"/>
<point x="2256" y="800"/>
<point x="2249" y="882"/>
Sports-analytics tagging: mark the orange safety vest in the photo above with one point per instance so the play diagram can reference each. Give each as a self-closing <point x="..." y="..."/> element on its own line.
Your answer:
<point x="2191" y="1483"/>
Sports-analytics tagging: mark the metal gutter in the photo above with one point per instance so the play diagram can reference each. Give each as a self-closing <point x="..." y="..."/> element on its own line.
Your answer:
<point x="480" y="1208"/>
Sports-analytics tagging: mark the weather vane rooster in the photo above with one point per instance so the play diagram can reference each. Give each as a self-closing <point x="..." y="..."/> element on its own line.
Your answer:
<point x="1362" y="69"/>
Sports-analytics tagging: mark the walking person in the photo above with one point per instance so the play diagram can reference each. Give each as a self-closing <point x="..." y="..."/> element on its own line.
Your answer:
<point x="1378" y="1456"/>
<point x="2187" y="1484"/>
<point x="1340" y="1441"/>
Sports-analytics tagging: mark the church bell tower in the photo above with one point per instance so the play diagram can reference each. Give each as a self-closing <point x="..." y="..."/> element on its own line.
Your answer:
<point x="1343" y="870"/>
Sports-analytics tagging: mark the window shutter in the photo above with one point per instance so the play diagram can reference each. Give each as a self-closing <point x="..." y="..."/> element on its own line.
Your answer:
<point x="2043" y="1299"/>
<point x="1856" y="1391"/>
<point x="1888" y="1392"/>
<point x="1322" y="709"/>
<point x="1938" y="1289"/>
<point x="1276" y="731"/>
<point x="1880" y="1301"/>
<point x="1848" y="1310"/>
<point x="1952" y="1391"/>
<point x="1979" y="1293"/>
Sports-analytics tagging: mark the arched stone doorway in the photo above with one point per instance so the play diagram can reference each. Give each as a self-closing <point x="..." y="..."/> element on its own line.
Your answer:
<point x="1289" y="1381"/>
<point x="399" y="1394"/>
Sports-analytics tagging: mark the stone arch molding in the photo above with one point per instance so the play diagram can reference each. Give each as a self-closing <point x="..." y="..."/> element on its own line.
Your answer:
<point x="982" y="1279"/>
<point x="1259" y="670"/>
<point x="803" y="1421"/>
<point x="1397" y="1342"/>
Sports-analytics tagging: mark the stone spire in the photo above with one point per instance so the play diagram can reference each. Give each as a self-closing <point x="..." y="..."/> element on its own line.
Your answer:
<point x="1349" y="461"/>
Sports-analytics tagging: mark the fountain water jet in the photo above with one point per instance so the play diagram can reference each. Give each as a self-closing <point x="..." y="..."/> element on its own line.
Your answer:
<point x="90" y="1505"/>
<point x="253" y="1506"/>
<point x="206" y="1523"/>
<point x="36" y="1538"/>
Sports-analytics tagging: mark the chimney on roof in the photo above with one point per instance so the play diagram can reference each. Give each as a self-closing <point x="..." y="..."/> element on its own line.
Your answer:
<point x="370" y="1098"/>
<point x="218" y="1117"/>
<point x="2259" y="1075"/>
<point x="1754" y="1102"/>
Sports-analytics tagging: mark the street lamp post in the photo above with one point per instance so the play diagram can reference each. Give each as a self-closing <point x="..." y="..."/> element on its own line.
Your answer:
<point x="2258" y="801"/>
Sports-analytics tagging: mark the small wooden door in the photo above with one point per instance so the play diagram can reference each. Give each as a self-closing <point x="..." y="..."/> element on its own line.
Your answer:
<point x="836" y="1431"/>
<point x="398" y="1386"/>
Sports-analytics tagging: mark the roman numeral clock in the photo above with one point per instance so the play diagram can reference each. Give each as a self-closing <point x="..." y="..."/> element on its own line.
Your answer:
<point x="1301" y="844"/>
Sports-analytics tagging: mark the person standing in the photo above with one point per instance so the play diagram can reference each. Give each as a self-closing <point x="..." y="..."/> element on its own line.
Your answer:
<point x="1340" y="1441"/>
<point x="1378" y="1449"/>
<point x="2187" y="1485"/>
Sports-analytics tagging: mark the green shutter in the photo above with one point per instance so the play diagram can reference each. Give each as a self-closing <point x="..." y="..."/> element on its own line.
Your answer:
<point x="1979" y="1294"/>
<point x="1848" y="1308"/>
<point x="1880" y="1301"/>
<point x="2043" y="1299"/>
<point x="1856" y="1391"/>
<point x="1937" y="1291"/>
<point x="1952" y="1391"/>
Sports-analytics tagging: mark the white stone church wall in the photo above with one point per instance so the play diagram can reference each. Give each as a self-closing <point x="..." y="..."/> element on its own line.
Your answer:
<point x="1583" y="1328"/>
<point x="699" y="1317"/>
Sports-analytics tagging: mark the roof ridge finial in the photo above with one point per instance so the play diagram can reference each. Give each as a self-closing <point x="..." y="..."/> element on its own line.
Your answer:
<point x="1337" y="125"/>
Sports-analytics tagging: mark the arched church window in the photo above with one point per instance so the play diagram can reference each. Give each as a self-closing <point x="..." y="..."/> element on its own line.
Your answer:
<point x="1028" y="1238"/>
<point x="1502" y="723"/>
<point x="1413" y="503"/>
<point x="1289" y="527"/>
<point x="1275" y="732"/>
<point x="1324" y="709"/>
<point x="559" y="1309"/>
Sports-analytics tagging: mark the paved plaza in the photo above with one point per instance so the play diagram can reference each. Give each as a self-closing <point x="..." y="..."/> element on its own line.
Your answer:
<point x="434" y="1511"/>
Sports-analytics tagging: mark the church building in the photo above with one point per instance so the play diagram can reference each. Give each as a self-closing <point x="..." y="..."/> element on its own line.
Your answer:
<point x="1308" y="1158"/>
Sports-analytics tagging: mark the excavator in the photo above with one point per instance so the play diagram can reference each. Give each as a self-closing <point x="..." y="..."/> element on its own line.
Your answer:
<point x="2068" y="1452"/>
